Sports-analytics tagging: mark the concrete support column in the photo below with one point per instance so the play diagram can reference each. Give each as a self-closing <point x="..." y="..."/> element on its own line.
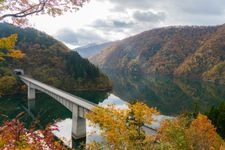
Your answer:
<point x="78" y="124"/>
<point x="31" y="105"/>
<point x="30" y="93"/>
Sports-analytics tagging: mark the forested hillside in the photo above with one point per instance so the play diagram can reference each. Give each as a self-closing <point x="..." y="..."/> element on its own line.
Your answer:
<point x="49" y="61"/>
<point x="194" y="52"/>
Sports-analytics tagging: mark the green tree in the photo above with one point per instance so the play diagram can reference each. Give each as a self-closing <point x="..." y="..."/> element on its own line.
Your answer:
<point x="7" y="85"/>
<point x="217" y="115"/>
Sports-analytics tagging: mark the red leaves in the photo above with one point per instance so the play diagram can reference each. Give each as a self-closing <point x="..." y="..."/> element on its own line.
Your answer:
<point x="13" y="135"/>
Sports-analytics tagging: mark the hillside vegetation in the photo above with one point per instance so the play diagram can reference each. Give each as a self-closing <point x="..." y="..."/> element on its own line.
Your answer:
<point x="193" y="52"/>
<point x="49" y="61"/>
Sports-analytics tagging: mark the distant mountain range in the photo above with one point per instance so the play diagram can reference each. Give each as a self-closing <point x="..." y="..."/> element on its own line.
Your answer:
<point x="189" y="51"/>
<point x="91" y="49"/>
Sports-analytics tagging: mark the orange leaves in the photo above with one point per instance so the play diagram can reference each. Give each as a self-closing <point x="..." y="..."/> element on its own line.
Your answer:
<point x="183" y="133"/>
<point x="202" y="135"/>
<point x="16" y="54"/>
<point x="123" y="127"/>
<point x="7" y="45"/>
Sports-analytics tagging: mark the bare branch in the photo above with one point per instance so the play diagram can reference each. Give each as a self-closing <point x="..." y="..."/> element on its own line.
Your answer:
<point x="26" y="12"/>
<point x="18" y="10"/>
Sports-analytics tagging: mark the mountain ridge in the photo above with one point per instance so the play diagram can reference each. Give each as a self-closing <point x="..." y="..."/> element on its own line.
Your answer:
<point x="184" y="51"/>
<point x="49" y="61"/>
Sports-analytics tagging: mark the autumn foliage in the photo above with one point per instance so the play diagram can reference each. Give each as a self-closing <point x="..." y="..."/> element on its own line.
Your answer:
<point x="122" y="129"/>
<point x="7" y="48"/>
<point x="14" y="136"/>
<point x="186" y="134"/>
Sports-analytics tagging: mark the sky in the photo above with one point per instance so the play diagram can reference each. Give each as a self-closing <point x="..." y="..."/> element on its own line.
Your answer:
<point x="100" y="21"/>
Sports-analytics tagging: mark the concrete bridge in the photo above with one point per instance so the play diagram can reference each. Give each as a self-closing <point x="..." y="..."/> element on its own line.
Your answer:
<point x="76" y="105"/>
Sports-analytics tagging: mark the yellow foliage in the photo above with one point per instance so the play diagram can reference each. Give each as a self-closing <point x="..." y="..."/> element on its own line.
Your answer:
<point x="7" y="45"/>
<point x="8" y="42"/>
<point x="122" y="128"/>
<point x="182" y="133"/>
<point x="202" y="135"/>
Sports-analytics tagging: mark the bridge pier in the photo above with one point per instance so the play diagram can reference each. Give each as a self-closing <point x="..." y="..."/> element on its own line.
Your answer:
<point x="31" y="93"/>
<point x="78" y="124"/>
<point x="31" y="105"/>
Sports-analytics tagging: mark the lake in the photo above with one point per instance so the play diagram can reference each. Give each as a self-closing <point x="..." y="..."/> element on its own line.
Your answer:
<point x="171" y="96"/>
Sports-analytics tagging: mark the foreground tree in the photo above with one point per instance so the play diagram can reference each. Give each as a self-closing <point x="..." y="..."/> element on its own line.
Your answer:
<point x="16" y="11"/>
<point x="122" y="128"/>
<point x="187" y="134"/>
<point x="217" y="115"/>
<point x="14" y="136"/>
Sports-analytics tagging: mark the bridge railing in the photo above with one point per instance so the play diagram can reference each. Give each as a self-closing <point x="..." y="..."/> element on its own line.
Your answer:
<point x="70" y="97"/>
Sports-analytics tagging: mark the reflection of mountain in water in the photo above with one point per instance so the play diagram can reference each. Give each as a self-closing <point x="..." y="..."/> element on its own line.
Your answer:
<point x="170" y="96"/>
<point x="45" y="110"/>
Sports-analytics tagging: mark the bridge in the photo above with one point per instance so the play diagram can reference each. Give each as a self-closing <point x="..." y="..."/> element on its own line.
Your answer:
<point x="76" y="105"/>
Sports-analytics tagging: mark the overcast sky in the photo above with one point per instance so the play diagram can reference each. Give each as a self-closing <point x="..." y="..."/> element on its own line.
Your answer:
<point x="107" y="20"/>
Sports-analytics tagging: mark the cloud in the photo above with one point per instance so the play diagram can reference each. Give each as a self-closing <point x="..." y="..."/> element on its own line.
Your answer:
<point x="124" y="18"/>
<point x="203" y="7"/>
<point x="116" y="25"/>
<point x="80" y="37"/>
<point x="149" y="16"/>
<point x="200" y="7"/>
<point x="67" y="35"/>
<point x="124" y="4"/>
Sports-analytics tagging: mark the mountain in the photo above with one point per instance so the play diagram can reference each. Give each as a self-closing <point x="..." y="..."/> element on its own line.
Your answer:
<point x="91" y="49"/>
<point x="49" y="61"/>
<point x="190" y="51"/>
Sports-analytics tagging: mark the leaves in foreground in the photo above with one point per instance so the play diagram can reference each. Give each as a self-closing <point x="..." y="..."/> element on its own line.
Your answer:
<point x="13" y="135"/>
<point x="122" y="129"/>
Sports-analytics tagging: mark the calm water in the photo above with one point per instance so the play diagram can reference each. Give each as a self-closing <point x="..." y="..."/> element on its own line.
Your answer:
<point x="170" y="96"/>
<point x="45" y="109"/>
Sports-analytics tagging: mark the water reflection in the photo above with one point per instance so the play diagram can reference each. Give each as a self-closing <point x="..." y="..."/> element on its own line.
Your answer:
<point x="45" y="110"/>
<point x="170" y="95"/>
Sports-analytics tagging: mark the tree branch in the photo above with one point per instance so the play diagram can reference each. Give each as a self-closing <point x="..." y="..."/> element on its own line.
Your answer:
<point x="26" y="12"/>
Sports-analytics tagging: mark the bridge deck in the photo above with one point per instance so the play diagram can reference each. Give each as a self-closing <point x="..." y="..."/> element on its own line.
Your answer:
<point x="72" y="98"/>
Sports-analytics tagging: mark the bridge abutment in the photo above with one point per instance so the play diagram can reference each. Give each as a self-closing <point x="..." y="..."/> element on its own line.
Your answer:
<point x="78" y="124"/>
